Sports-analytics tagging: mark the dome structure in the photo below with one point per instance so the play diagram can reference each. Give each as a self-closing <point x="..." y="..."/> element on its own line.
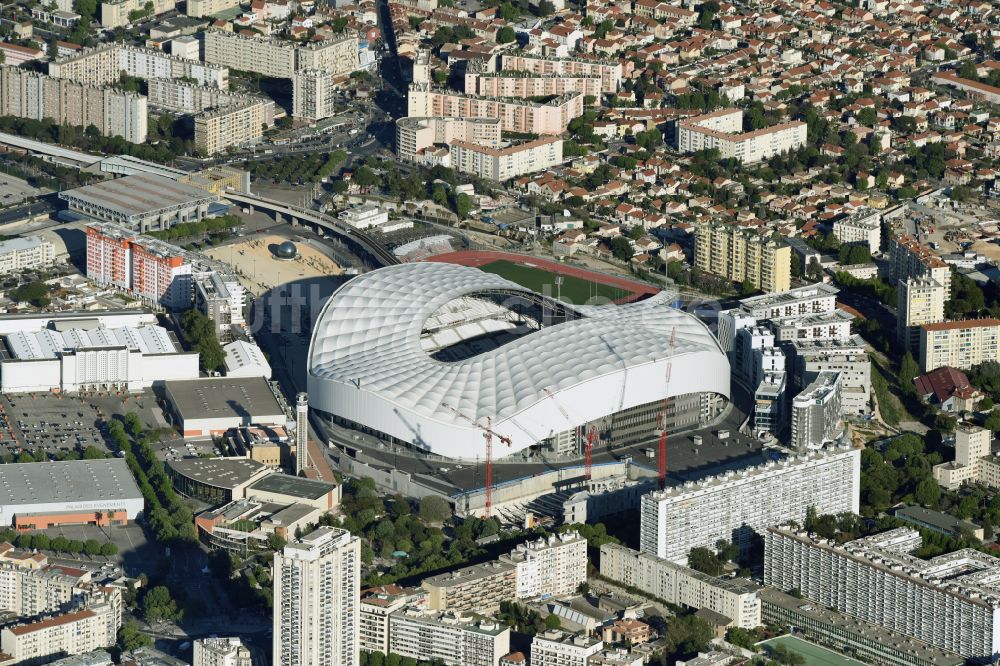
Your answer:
<point x="286" y="250"/>
<point x="433" y="353"/>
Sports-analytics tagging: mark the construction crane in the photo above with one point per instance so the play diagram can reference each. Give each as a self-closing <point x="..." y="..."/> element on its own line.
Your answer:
<point x="488" y="434"/>
<point x="661" y="459"/>
<point x="589" y="452"/>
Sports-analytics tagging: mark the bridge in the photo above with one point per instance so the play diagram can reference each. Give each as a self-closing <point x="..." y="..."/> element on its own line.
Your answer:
<point x="363" y="244"/>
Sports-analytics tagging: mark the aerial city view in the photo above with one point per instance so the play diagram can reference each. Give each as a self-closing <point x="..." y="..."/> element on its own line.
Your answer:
<point x="499" y="332"/>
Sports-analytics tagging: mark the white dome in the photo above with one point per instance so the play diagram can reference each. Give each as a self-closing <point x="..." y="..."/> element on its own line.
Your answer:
<point x="370" y="359"/>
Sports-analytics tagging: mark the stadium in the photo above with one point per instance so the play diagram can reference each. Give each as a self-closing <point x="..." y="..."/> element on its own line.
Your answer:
<point x="431" y="355"/>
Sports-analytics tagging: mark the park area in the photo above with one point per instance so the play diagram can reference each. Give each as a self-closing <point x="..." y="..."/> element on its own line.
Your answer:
<point x="259" y="270"/>
<point x="810" y="653"/>
<point x="578" y="286"/>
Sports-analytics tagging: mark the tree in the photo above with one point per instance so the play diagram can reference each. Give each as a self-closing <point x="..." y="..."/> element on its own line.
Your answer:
<point x="705" y="561"/>
<point x="41" y="542"/>
<point x="92" y="453"/>
<point x="35" y="293"/>
<point x="506" y="35"/>
<point x="108" y="549"/>
<point x="552" y="622"/>
<point x="130" y="639"/>
<point x="158" y="605"/>
<point x="968" y="71"/>
<point x="621" y="248"/>
<point x="546" y="8"/>
<point x="928" y="492"/>
<point x="908" y="371"/>
<point x="133" y="424"/>
<point x="434" y="509"/>
<point x="868" y="116"/>
<point x="92" y="547"/>
<point x="463" y="205"/>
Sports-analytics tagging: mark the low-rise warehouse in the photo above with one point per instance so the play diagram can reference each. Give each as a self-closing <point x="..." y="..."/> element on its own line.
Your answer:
<point x="73" y="492"/>
<point x="143" y="202"/>
<point x="215" y="480"/>
<point x="88" y="356"/>
<point x="207" y="407"/>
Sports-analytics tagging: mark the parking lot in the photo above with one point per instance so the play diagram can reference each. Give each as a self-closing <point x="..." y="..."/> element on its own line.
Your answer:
<point x="63" y="423"/>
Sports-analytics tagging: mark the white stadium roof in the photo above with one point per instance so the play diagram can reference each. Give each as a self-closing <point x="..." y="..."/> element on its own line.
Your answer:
<point x="374" y="359"/>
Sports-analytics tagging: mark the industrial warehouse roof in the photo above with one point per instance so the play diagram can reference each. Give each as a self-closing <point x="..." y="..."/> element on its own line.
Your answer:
<point x="431" y="353"/>
<point x="293" y="486"/>
<point x="219" y="472"/>
<point x="222" y="397"/>
<point x="48" y="343"/>
<point x="68" y="481"/>
<point x="135" y="196"/>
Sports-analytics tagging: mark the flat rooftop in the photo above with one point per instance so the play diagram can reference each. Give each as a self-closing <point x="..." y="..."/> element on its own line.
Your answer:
<point x="67" y="481"/>
<point x="138" y="195"/>
<point x="847" y="624"/>
<point x="223" y="397"/>
<point x="469" y="574"/>
<point x="293" y="486"/>
<point x="226" y="473"/>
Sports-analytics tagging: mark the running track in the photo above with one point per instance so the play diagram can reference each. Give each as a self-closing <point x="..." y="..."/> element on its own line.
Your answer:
<point x="479" y="258"/>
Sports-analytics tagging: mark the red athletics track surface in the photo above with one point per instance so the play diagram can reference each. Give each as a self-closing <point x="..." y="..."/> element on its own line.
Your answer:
<point x="479" y="258"/>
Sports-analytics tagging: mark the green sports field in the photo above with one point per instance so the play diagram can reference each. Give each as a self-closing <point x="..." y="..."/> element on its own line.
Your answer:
<point x="814" y="654"/>
<point x="573" y="290"/>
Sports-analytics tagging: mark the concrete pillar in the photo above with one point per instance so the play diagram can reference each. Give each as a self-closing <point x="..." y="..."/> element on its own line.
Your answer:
<point x="250" y="208"/>
<point x="295" y="221"/>
<point x="277" y="217"/>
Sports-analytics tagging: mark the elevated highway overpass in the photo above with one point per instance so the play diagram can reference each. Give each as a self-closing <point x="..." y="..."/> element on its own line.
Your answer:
<point x="363" y="244"/>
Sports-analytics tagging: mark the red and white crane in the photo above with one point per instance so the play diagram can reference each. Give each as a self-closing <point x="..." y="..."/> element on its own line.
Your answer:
<point x="488" y="434"/>
<point x="661" y="419"/>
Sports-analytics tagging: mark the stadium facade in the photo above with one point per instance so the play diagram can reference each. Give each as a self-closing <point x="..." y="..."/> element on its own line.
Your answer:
<point x="430" y="355"/>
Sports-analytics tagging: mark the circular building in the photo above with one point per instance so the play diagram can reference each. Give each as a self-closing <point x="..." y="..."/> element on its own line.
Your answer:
<point x="432" y="354"/>
<point x="286" y="250"/>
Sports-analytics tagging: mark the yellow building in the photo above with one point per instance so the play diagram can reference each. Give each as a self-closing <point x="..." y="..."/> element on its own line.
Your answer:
<point x="741" y="256"/>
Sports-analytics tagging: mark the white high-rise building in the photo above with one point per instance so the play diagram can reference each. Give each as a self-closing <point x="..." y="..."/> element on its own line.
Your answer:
<point x="317" y="582"/>
<point x="950" y="601"/>
<point x="816" y="415"/>
<point x="549" y="567"/>
<point x="558" y="648"/>
<point x="221" y="652"/>
<point x="700" y="513"/>
<point x="301" y="433"/>
<point x="736" y="598"/>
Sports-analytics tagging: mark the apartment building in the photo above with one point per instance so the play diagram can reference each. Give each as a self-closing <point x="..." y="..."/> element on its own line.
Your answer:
<point x="920" y="300"/>
<point x="152" y="270"/>
<point x="850" y="636"/>
<point x="505" y="163"/>
<point x="119" y="13"/>
<point x="206" y="8"/>
<point x="479" y="588"/>
<point x="959" y="344"/>
<point x="847" y="357"/>
<point x="974" y="461"/>
<point x="186" y="97"/>
<point x="28" y="94"/>
<point x="103" y="65"/>
<point x="447" y="638"/>
<point x="559" y="648"/>
<point x="313" y="94"/>
<point x="377" y="605"/>
<point x="908" y="258"/>
<point x="723" y="131"/>
<point x="813" y="299"/>
<point x="516" y="115"/>
<point x="816" y="412"/>
<point x="508" y="83"/>
<point x="75" y="632"/>
<point x="743" y="256"/>
<point x="863" y="228"/>
<point x="222" y="298"/>
<point x="26" y="252"/>
<point x="700" y="513"/>
<point x="950" y="601"/>
<point x="609" y="72"/>
<point x="316" y="592"/>
<point x="736" y="599"/>
<point x="221" y="652"/>
<point x="974" y="89"/>
<point x="834" y="325"/>
<point x="549" y="567"/>
<point x="278" y="58"/>
<point x="415" y="135"/>
<point x="236" y="125"/>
